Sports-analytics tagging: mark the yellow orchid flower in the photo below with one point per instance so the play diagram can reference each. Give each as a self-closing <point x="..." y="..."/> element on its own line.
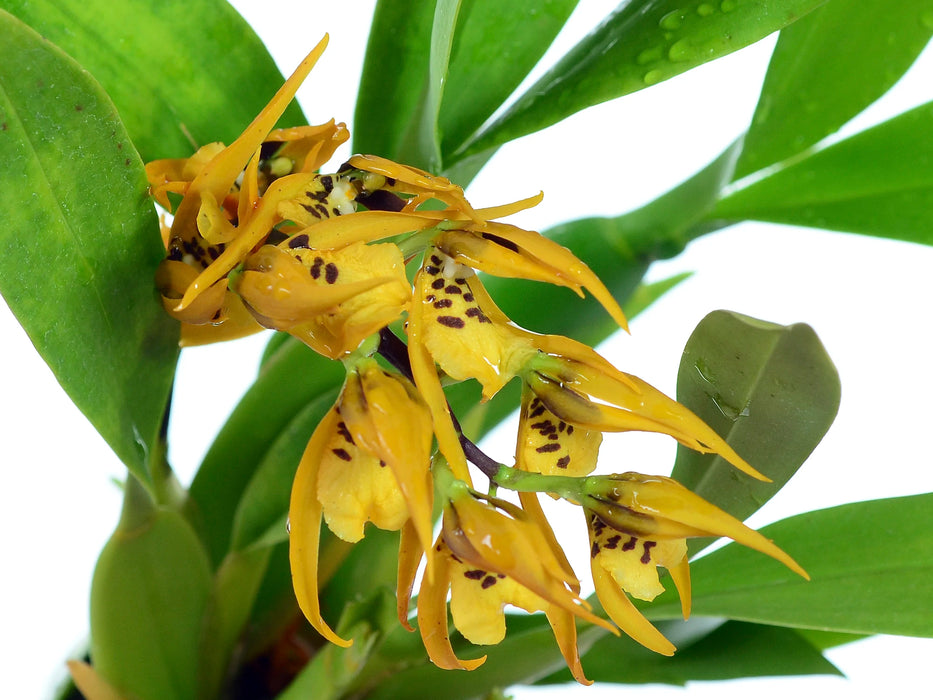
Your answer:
<point x="491" y="553"/>
<point x="329" y="299"/>
<point x="367" y="461"/>
<point x="637" y="523"/>
<point x="549" y="445"/>
<point x="222" y="188"/>
<point x="580" y="387"/>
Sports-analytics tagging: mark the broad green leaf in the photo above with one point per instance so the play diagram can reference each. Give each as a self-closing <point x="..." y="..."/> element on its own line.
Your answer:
<point x="182" y="74"/>
<point x="292" y="378"/>
<point x="638" y="45"/>
<point x="732" y="650"/>
<point x="148" y="598"/>
<point x="878" y="182"/>
<point x="394" y="73"/>
<point x="771" y="391"/>
<point x="619" y="250"/>
<point x="496" y="45"/>
<point x="870" y="565"/>
<point x="80" y="244"/>
<point x="827" y="68"/>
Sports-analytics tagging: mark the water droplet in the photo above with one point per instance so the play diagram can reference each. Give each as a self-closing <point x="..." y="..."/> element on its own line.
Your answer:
<point x="680" y="51"/>
<point x="672" y="20"/>
<point x="728" y="5"/>
<point x="704" y="9"/>
<point x="727" y="410"/>
<point x="655" y="53"/>
<point x="653" y="76"/>
<point x="288" y="525"/>
<point x="926" y="19"/>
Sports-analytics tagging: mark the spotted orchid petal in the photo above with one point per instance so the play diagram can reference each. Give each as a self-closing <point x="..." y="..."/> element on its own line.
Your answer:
<point x="388" y="418"/>
<point x="304" y="517"/>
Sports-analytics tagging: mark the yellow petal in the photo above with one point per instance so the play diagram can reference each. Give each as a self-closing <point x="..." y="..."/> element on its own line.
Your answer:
<point x="432" y="614"/>
<point x="428" y="383"/>
<point x="304" y="515"/>
<point x="621" y="611"/>
<point x="173" y="277"/>
<point x="410" y="552"/>
<point x="561" y="260"/>
<point x="363" y="226"/>
<point x="236" y="322"/>
<point x="565" y="632"/>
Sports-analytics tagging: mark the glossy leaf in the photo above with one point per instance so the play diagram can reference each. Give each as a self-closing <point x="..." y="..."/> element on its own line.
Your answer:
<point x="870" y="565"/>
<point x="638" y="45"/>
<point x="878" y="182"/>
<point x="80" y="244"/>
<point x="732" y="650"/>
<point x="827" y="68"/>
<point x="182" y="74"/>
<point x="394" y="73"/>
<point x="496" y="45"/>
<point x="290" y="380"/>
<point x="771" y="391"/>
<point x="148" y="598"/>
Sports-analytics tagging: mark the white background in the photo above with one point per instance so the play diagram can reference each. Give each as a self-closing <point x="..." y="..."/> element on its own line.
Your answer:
<point x="868" y="300"/>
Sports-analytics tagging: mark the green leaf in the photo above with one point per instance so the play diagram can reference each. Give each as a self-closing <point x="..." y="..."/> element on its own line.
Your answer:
<point x="827" y="68"/>
<point x="292" y="378"/>
<point x="422" y="145"/>
<point x="148" y="598"/>
<point x="638" y="45"/>
<point x="732" y="650"/>
<point x="496" y="45"/>
<point x="771" y="391"/>
<point x="864" y="184"/>
<point x="80" y="244"/>
<point x="394" y="73"/>
<point x="182" y="74"/>
<point x="871" y="564"/>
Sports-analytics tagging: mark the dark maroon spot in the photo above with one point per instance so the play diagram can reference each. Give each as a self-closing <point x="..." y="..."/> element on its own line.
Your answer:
<point x="630" y="545"/>
<point x="327" y="182"/>
<point x="550" y="447"/>
<point x="436" y="260"/>
<point x="646" y="557"/>
<point x="451" y="321"/>
<point x="79" y="108"/>
<point x="437" y="284"/>
<point x="342" y="454"/>
<point x="563" y="462"/>
<point x="431" y="270"/>
<point x="595" y="550"/>
<point x="570" y="430"/>
<point x="613" y="542"/>
<point x="344" y="432"/>
<point x="468" y="297"/>
<point x="311" y="209"/>
<point x="330" y="273"/>
<point x="316" y="267"/>
<point x="299" y="241"/>
<point x="488" y="581"/>
<point x="536" y="410"/>
<point x="443" y="304"/>
<point x="453" y="289"/>
<point x="474" y="574"/>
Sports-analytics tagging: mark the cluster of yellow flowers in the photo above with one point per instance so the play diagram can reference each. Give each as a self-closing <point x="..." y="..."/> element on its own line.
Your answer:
<point x="260" y="239"/>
